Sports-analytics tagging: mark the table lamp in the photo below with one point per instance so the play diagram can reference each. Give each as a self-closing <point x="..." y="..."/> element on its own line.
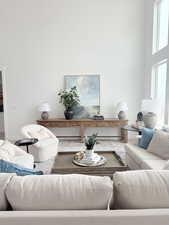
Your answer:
<point x="121" y="109"/>
<point x="150" y="108"/>
<point x="44" y="108"/>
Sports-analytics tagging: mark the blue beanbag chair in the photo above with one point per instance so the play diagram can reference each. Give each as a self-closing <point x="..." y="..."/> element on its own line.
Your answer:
<point x="147" y="135"/>
<point x="9" y="167"/>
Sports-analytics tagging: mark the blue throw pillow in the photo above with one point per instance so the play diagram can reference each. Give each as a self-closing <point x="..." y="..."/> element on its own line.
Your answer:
<point x="147" y="135"/>
<point x="8" y="167"/>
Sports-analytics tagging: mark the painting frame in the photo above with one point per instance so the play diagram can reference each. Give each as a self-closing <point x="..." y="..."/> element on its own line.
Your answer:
<point x="88" y="110"/>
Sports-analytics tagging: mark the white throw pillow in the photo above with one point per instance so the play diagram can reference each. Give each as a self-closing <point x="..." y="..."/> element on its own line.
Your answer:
<point x="9" y="148"/>
<point x="142" y="189"/>
<point x="166" y="166"/>
<point x="160" y="144"/>
<point x="4" y="155"/>
<point x="4" y="180"/>
<point x="60" y="192"/>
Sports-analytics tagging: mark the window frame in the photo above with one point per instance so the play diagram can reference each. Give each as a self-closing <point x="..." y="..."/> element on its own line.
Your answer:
<point x="154" y="86"/>
<point x="156" y="27"/>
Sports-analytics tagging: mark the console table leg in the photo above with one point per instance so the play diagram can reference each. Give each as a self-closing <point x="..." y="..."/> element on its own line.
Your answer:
<point x="124" y="135"/>
<point x="82" y="134"/>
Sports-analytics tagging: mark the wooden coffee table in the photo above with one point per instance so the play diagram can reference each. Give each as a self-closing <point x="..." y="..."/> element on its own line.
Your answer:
<point x="63" y="165"/>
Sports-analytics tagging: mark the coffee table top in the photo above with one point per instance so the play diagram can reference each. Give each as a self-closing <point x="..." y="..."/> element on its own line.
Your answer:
<point x="63" y="164"/>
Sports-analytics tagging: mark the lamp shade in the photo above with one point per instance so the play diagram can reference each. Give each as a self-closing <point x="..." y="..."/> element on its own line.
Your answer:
<point x="44" y="107"/>
<point x="122" y="106"/>
<point x="149" y="105"/>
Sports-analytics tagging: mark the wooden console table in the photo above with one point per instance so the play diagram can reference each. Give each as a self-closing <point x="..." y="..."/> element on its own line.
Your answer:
<point x="84" y="123"/>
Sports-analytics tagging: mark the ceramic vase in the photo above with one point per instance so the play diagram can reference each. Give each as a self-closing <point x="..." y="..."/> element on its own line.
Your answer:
<point x="44" y="116"/>
<point x="68" y="114"/>
<point x="150" y="120"/>
<point x="122" y="115"/>
<point x="89" y="154"/>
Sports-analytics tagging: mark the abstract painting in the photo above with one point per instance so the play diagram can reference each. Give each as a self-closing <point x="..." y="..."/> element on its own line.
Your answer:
<point x="88" y="87"/>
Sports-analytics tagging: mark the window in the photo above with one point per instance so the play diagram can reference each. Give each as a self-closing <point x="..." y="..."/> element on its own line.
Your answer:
<point x="158" y="91"/>
<point x="161" y="18"/>
<point x="158" y="61"/>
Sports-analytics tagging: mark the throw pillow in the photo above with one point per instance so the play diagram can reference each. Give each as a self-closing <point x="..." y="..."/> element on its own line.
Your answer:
<point x="4" y="155"/>
<point x="9" y="167"/>
<point x="166" y="166"/>
<point x="147" y="135"/>
<point x="9" y="148"/>
<point x="160" y="144"/>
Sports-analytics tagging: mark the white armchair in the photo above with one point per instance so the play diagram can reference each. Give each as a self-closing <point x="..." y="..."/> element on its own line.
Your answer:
<point x="12" y="153"/>
<point x="47" y="145"/>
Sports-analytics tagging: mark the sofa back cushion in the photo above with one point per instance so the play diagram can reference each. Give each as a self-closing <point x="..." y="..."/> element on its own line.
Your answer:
<point x="4" y="181"/>
<point x="59" y="192"/>
<point x="160" y="144"/>
<point x="141" y="189"/>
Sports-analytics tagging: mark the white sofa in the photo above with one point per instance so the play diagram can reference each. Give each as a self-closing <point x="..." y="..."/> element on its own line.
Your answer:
<point x="87" y="198"/>
<point x="12" y="153"/>
<point x="140" y="159"/>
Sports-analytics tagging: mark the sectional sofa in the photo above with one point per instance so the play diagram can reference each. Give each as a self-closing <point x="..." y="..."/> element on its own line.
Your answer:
<point x="139" y="159"/>
<point x="132" y="198"/>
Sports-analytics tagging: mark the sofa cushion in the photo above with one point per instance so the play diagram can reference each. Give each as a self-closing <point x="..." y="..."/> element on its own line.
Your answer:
<point x="4" y="180"/>
<point x="59" y="192"/>
<point x="139" y="154"/>
<point x="25" y="160"/>
<point x="147" y="135"/>
<point x="153" y="164"/>
<point x="141" y="189"/>
<point x="160" y="144"/>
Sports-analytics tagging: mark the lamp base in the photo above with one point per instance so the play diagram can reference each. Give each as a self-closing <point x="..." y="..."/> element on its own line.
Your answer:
<point x="122" y="115"/>
<point x="45" y="116"/>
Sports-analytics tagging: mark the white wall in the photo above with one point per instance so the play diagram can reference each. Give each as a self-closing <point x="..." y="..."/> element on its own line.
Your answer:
<point x="43" y="40"/>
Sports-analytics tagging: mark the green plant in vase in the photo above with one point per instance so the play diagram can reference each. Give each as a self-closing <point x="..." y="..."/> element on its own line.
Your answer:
<point x="69" y="98"/>
<point x="90" y="142"/>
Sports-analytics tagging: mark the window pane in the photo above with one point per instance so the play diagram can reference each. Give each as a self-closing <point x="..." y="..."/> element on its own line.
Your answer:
<point x="159" y="86"/>
<point x="161" y="20"/>
<point x="163" y="24"/>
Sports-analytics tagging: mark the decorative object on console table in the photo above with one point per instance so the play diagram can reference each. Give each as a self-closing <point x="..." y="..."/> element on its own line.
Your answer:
<point x="69" y="98"/>
<point x="44" y="108"/>
<point x="150" y="108"/>
<point x="98" y="116"/>
<point x="121" y="109"/>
